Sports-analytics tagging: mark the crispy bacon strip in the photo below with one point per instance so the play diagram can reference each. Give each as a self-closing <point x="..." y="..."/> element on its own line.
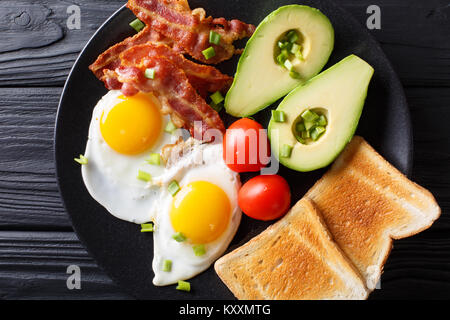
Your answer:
<point x="176" y="94"/>
<point x="190" y="29"/>
<point x="110" y="59"/>
<point x="204" y="79"/>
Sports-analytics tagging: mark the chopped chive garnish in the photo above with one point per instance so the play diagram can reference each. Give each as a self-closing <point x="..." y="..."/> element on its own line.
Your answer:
<point x="320" y="129"/>
<point x="322" y="121"/>
<point x="309" y="125"/>
<point x="167" y="266"/>
<point x="288" y="65"/>
<point x="278" y="116"/>
<point x="184" y="286"/>
<point x="147" y="227"/>
<point x="144" y="176"/>
<point x="179" y="237"/>
<point x="286" y="151"/>
<point x="217" y="97"/>
<point x="217" y="107"/>
<point x="155" y="159"/>
<point x="209" y="53"/>
<point x="305" y="134"/>
<point x="173" y="188"/>
<point x="300" y="127"/>
<point x="137" y="25"/>
<point x="295" y="48"/>
<point x="82" y="160"/>
<point x="317" y="132"/>
<point x="150" y="73"/>
<point x="214" y="38"/>
<point x="199" y="250"/>
<point x="170" y="128"/>
<point x="292" y="36"/>
<point x="310" y="116"/>
<point x="282" y="57"/>
<point x="299" y="55"/>
<point x="294" y="74"/>
<point x="314" y="135"/>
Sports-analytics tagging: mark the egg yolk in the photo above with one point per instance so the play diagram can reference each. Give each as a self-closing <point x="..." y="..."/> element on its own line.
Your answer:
<point x="133" y="125"/>
<point x="201" y="212"/>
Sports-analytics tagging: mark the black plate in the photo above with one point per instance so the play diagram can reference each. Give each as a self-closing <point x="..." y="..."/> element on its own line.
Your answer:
<point x="118" y="247"/>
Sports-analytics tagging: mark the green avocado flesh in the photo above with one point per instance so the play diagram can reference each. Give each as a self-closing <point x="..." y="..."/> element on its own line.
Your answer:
<point x="303" y="34"/>
<point x="337" y="94"/>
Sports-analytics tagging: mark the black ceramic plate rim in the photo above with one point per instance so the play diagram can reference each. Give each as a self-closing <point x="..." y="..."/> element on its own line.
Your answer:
<point x="409" y="156"/>
<point x="55" y="143"/>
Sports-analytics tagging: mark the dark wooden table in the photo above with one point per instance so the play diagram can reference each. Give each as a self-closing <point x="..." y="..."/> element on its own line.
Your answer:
<point x="37" y="50"/>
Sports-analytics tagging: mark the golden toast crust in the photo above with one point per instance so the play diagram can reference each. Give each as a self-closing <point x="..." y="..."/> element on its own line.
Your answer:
<point x="295" y="258"/>
<point x="366" y="203"/>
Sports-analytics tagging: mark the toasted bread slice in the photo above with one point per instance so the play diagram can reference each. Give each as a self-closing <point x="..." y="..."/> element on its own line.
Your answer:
<point x="366" y="203"/>
<point x="295" y="258"/>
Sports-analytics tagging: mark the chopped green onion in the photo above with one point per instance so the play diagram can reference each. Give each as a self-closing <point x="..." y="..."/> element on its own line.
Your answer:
<point x="137" y="25"/>
<point x="167" y="266"/>
<point x="320" y="130"/>
<point x="81" y="160"/>
<point x="294" y="74"/>
<point x="217" y="97"/>
<point x="300" y="139"/>
<point x="282" y="57"/>
<point x="173" y="188"/>
<point x="322" y="121"/>
<point x="217" y="107"/>
<point x="147" y="227"/>
<point x="150" y="73"/>
<point x="286" y="151"/>
<point x="199" y="250"/>
<point x="299" y="55"/>
<point x="179" y="237"/>
<point x="310" y="116"/>
<point x="170" y="128"/>
<point x="155" y="159"/>
<point x="309" y="125"/>
<point x="288" y="65"/>
<point x="305" y="134"/>
<point x="295" y="48"/>
<point x="300" y="127"/>
<point x="184" y="286"/>
<point x="209" y="53"/>
<point x="144" y="176"/>
<point x="292" y="36"/>
<point x="278" y="116"/>
<point x="214" y="37"/>
<point x="314" y="134"/>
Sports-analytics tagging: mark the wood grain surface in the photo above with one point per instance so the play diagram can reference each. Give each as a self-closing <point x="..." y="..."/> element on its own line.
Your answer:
<point x="37" y="51"/>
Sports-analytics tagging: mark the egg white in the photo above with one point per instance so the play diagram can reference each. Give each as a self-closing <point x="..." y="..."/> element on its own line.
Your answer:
<point x="204" y="163"/>
<point x="111" y="177"/>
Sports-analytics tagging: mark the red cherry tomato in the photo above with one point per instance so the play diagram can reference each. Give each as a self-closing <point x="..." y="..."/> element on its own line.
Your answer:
<point x="245" y="146"/>
<point x="265" y="197"/>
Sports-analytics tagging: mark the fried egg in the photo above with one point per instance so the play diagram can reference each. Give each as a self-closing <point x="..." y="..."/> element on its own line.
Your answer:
<point x="204" y="212"/>
<point x="124" y="133"/>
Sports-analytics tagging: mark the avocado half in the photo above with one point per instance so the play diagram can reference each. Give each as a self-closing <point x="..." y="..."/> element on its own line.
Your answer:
<point x="259" y="79"/>
<point x="339" y="94"/>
